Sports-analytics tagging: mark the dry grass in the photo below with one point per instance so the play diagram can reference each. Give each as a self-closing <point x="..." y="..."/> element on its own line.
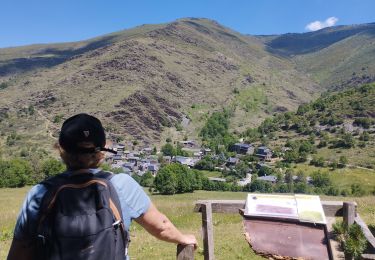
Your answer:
<point x="228" y="237"/>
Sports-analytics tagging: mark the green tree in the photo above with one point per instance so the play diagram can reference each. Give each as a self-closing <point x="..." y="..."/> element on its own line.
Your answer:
<point x="14" y="173"/>
<point x="317" y="161"/>
<point x="300" y="187"/>
<point x="51" y="167"/>
<point x="3" y="85"/>
<point x="343" y="161"/>
<point x="365" y="136"/>
<point x="206" y="163"/>
<point x="357" y="190"/>
<point x="283" y="188"/>
<point x="175" y="178"/>
<point x="265" y="171"/>
<point x="137" y="178"/>
<point x="215" y="132"/>
<point x="241" y="169"/>
<point x="259" y="186"/>
<point x="279" y="178"/>
<point x="166" y="180"/>
<point x="346" y="141"/>
<point x="333" y="164"/>
<point x="179" y="151"/>
<point x="147" y="179"/>
<point x="320" y="179"/>
<point x="288" y="176"/>
<point x="168" y="150"/>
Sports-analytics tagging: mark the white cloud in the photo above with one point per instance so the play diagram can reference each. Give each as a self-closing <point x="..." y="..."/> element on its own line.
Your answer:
<point x="317" y="25"/>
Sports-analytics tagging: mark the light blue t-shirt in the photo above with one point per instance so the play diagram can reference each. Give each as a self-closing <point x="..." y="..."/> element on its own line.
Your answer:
<point x="134" y="202"/>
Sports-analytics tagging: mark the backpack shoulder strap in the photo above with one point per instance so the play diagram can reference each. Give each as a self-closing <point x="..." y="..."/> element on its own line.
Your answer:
<point x="52" y="184"/>
<point x="104" y="175"/>
<point x="116" y="208"/>
<point x="112" y="191"/>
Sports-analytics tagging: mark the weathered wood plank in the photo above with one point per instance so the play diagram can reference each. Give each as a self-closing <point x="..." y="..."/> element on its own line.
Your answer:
<point x="221" y="206"/>
<point x="349" y="212"/>
<point x="185" y="252"/>
<point x="331" y="208"/>
<point x="368" y="256"/>
<point x="366" y="231"/>
<point x="207" y="228"/>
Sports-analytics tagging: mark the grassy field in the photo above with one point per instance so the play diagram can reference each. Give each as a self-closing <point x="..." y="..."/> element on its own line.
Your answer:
<point x="345" y="177"/>
<point x="228" y="234"/>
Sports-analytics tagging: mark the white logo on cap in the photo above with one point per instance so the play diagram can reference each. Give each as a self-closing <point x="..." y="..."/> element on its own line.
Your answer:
<point x="86" y="133"/>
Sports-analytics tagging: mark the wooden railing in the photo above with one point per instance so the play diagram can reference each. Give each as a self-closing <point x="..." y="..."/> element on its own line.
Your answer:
<point x="185" y="252"/>
<point x="347" y="210"/>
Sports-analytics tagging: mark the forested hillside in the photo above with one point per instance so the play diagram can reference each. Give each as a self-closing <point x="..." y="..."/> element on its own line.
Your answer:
<point x="336" y="125"/>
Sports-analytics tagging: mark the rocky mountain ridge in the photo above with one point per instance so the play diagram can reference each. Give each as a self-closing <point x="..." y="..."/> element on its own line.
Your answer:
<point x="142" y="82"/>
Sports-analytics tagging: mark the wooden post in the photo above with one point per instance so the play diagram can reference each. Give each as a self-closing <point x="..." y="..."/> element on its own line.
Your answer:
<point x="185" y="252"/>
<point x="349" y="213"/>
<point x="208" y="235"/>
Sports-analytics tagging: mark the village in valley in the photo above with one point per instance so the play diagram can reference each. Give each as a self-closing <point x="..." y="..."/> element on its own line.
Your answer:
<point x="138" y="161"/>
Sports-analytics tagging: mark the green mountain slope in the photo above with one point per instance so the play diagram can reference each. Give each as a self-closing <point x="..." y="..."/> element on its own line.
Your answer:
<point x="335" y="57"/>
<point x="335" y="125"/>
<point x="143" y="81"/>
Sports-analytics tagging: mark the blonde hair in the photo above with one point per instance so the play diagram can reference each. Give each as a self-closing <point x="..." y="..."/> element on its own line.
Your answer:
<point x="76" y="161"/>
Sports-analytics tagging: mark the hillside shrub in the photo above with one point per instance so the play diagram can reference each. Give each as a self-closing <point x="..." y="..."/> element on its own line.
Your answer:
<point x="206" y="163"/>
<point x="51" y="167"/>
<point x="215" y="132"/>
<point x="14" y="173"/>
<point x="265" y="171"/>
<point x="147" y="179"/>
<point x="175" y="178"/>
<point x="343" y="161"/>
<point x="352" y="239"/>
<point x="168" y="150"/>
<point x="320" y="179"/>
<point x="357" y="190"/>
<point x="3" y="85"/>
<point x="259" y="186"/>
<point x="317" y="161"/>
<point x="345" y="141"/>
<point x="365" y="122"/>
<point x="300" y="187"/>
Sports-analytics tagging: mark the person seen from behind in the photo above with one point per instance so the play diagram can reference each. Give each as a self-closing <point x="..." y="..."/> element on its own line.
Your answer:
<point x="84" y="212"/>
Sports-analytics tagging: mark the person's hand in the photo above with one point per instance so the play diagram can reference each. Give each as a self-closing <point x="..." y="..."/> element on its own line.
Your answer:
<point x="189" y="240"/>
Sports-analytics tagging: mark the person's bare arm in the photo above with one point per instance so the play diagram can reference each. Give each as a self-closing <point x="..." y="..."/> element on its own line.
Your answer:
<point x="21" y="250"/>
<point x="158" y="225"/>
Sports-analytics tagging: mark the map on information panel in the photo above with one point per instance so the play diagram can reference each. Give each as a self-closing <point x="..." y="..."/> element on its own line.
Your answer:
<point x="305" y="208"/>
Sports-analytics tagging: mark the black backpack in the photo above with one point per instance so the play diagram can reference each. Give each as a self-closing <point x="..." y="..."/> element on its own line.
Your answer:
<point x="81" y="218"/>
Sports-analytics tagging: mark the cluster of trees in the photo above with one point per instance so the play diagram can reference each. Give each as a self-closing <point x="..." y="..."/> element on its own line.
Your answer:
<point x="215" y="133"/>
<point x="319" y="161"/>
<point x="169" y="150"/>
<point x="176" y="178"/>
<point x="320" y="183"/>
<point x="20" y="172"/>
<point x="329" y="110"/>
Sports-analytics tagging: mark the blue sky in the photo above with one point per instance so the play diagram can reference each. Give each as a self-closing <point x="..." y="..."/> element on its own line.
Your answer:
<point x="44" y="21"/>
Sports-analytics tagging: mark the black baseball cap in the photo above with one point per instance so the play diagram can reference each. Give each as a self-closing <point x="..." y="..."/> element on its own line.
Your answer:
<point x="83" y="128"/>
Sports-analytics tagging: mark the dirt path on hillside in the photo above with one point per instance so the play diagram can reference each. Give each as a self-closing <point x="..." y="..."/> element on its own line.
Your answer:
<point x="48" y="124"/>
